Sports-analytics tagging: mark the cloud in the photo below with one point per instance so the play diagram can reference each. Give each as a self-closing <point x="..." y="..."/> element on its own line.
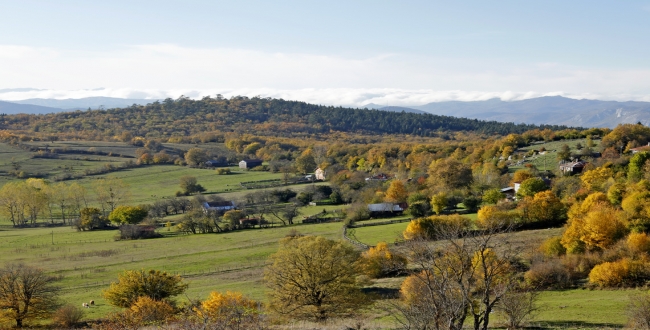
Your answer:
<point x="166" y="70"/>
<point x="327" y="96"/>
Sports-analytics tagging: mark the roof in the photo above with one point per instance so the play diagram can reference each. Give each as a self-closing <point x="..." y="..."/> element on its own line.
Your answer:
<point x="387" y="207"/>
<point x="252" y="161"/>
<point x="576" y="164"/>
<point x="219" y="204"/>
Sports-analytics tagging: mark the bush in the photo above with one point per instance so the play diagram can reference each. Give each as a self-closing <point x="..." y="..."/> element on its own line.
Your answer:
<point x="492" y="217"/>
<point x="68" y="316"/>
<point x="230" y="310"/>
<point x="133" y="284"/>
<point x="549" y="274"/>
<point x="137" y="232"/>
<point x="638" y="243"/>
<point x="432" y="227"/>
<point x="638" y="312"/>
<point x="553" y="247"/>
<point x="223" y="171"/>
<point x="624" y="272"/>
<point x="149" y="311"/>
<point x="379" y="261"/>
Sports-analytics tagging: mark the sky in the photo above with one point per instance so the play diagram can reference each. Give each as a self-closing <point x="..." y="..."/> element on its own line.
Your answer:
<point x="327" y="52"/>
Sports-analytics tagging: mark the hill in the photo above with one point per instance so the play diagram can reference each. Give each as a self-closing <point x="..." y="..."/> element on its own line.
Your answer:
<point x="548" y="110"/>
<point x="14" y="108"/>
<point x="260" y="116"/>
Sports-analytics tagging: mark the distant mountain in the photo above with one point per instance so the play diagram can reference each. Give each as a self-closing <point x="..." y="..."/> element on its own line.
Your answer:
<point x="86" y="102"/>
<point x="550" y="110"/>
<point x="14" y="108"/>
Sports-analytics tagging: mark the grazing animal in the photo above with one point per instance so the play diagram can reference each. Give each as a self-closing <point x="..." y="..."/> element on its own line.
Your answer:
<point x="85" y="305"/>
<point x="92" y="303"/>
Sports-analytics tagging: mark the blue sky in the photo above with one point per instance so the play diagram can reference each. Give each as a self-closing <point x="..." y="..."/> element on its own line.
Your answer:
<point x="337" y="52"/>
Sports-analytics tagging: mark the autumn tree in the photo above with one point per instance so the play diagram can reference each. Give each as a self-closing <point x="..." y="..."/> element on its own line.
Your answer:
<point x="133" y="284"/>
<point x="230" y="310"/>
<point x="431" y="227"/>
<point x="380" y="261"/>
<point x="396" y="192"/>
<point x="543" y="208"/>
<point x="313" y="277"/>
<point x="463" y="278"/>
<point x="26" y="293"/>
<point x="128" y="215"/>
<point x="439" y="202"/>
<point x="92" y="218"/>
<point x="493" y="196"/>
<point x="449" y="174"/>
<point x="305" y="163"/>
<point x="189" y="185"/>
<point x="196" y="156"/>
<point x="521" y="175"/>
<point x="594" y="179"/>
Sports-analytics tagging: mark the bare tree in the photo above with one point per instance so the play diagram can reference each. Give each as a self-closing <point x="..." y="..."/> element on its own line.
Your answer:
<point x="638" y="312"/>
<point x="518" y="307"/>
<point x="464" y="275"/>
<point x="26" y="293"/>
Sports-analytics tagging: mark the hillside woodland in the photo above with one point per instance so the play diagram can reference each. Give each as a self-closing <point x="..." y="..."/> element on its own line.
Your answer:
<point x="453" y="270"/>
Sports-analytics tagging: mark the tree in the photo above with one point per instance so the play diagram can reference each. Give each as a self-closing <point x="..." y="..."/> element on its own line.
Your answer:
<point x="521" y="175"/>
<point x="110" y="193"/>
<point x="463" y="278"/>
<point x="543" y="208"/>
<point x="530" y="187"/>
<point x="189" y="185"/>
<point x="196" y="156"/>
<point x="230" y="310"/>
<point x="380" y="261"/>
<point x="493" y="196"/>
<point x="305" y="163"/>
<point x="594" y="179"/>
<point x="638" y="312"/>
<point x="564" y="153"/>
<point x="396" y="192"/>
<point x="313" y="277"/>
<point x="133" y="284"/>
<point x="128" y="215"/>
<point x="92" y="218"/>
<point x="439" y="202"/>
<point x="429" y="228"/>
<point x="635" y="168"/>
<point x="26" y="293"/>
<point x="449" y="174"/>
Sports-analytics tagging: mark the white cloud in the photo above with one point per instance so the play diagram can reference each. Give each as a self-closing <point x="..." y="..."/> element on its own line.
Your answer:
<point x="163" y="70"/>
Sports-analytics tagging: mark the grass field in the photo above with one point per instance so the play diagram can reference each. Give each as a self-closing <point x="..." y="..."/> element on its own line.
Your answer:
<point x="89" y="261"/>
<point x="549" y="161"/>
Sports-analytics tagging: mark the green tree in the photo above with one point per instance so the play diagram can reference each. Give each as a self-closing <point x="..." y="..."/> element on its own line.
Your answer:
<point x="189" y="185"/>
<point x="127" y="215"/>
<point x="635" y="168"/>
<point x="133" y="284"/>
<point x="313" y="277"/>
<point x="493" y="196"/>
<point x="530" y="187"/>
<point x="305" y="164"/>
<point x="439" y="202"/>
<point x="564" y="153"/>
<point x="449" y="174"/>
<point x="26" y="293"/>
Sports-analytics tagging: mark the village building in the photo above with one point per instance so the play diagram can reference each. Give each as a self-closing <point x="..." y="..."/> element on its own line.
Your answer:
<point x="250" y="163"/>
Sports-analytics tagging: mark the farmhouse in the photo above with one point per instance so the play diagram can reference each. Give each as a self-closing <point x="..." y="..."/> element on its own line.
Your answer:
<point x="386" y="208"/>
<point x="378" y="177"/>
<point x="639" y="149"/>
<point x="320" y="174"/>
<point x="572" y="167"/>
<point x="218" y="206"/>
<point x="250" y="163"/>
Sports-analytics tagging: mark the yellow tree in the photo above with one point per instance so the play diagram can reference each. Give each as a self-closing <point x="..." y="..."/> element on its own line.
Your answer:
<point x="133" y="284"/>
<point x="313" y="277"/>
<point x="594" y="179"/>
<point x="396" y="192"/>
<point x="603" y="226"/>
<point x="230" y="310"/>
<point x="380" y="261"/>
<point x="439" y="202"/>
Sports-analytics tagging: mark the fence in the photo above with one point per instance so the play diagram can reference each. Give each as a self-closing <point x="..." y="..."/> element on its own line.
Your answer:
<point x="379" y="223"/>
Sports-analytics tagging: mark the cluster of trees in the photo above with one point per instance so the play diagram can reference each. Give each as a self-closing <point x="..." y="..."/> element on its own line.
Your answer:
<point x="24" y="202"/>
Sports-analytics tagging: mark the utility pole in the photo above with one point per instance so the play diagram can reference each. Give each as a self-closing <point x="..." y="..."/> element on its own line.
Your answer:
<point x="52" y="237"/>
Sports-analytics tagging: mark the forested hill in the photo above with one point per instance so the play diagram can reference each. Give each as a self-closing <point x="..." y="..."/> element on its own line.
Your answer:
<point x="264" y="116"/>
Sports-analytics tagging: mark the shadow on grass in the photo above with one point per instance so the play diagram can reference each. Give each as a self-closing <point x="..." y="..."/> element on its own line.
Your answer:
<point x="573" y="325"/>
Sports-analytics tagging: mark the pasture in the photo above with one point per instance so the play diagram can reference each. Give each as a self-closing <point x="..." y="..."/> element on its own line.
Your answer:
<point x="89" y="261"/>
<point x="548" y="161"/>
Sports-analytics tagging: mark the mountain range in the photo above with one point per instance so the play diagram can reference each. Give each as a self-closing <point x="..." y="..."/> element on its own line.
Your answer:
<point x="550" y="110"/>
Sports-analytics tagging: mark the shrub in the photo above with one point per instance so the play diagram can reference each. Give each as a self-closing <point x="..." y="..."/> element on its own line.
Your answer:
<point x="229" y="310"/>
<point x="133" y="284"/>
<point x="624" y="272"/>
<point x="549" y="274"/>
<point x="490" y="217"/>
<point x="149" y="311"/>
<point x="638" y="242"/>
<point x="223" y="171"/>
<point x="68" y="316"/>
<point x="638" y="312"/>
<point x="379" y="261"/>
<point x="553" y="247"/>
<point x="137" y="232"/>
<point x="431" y="227"/>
